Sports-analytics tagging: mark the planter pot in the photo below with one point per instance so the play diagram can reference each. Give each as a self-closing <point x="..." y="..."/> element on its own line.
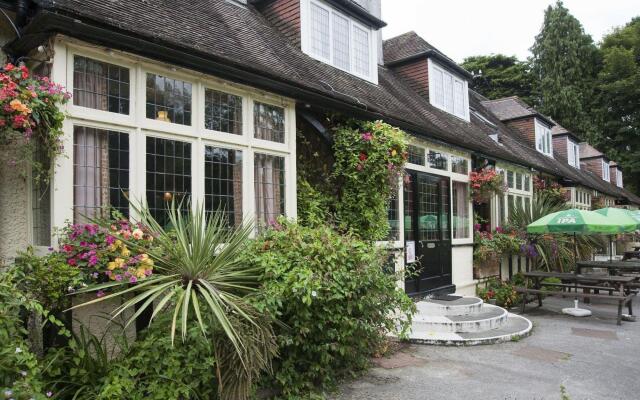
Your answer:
<point x="486" y="268"/>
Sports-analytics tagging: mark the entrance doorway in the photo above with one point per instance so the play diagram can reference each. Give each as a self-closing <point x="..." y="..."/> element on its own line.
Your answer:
<point x="427" y="225"/>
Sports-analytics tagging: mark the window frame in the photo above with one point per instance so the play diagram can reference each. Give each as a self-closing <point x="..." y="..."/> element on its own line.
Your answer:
<point x="521" y="194"/>
<point x="606" y="172"/>
<point x="306" y="42"/>
<point x="433" y="68"/>
<point x="619" y="182"/>
<point x="138" y="127"/>
<point x="543" y="134"/>
<point x="573" y="153"/>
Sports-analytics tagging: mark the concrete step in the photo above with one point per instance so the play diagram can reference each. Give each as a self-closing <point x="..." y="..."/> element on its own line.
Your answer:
<point x="461" y="306"/>
<point x="515" y="328"/>
<point x="489" y="317"/>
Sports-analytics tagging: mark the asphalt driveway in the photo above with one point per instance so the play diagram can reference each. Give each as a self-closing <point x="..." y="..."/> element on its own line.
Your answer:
<point x="591" y="358"/>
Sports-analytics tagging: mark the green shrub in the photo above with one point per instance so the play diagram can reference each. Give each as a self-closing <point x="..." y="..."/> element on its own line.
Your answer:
<point x="502" y="291"/>
<point x="335" y="300"/>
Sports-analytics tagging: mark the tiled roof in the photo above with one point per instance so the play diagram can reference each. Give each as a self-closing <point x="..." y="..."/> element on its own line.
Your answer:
<point x="239" y="36"/>
<point x="588" y="151"/>
<point x="559" y="130"/>
<point x="509" y="108"/>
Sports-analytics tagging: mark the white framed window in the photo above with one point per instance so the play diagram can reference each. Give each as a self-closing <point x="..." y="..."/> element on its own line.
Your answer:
<point x="544" y="142"/>
<point x="582" y="198"/>
<point x="225" y="145"/>
<point x="573" y="153"/>
<point x="605" y="171"/>
<point x="619" y="178"/>
<point x="448" y="92"/>
<point x="519" y="193"/>
<point x="338" y="40"/>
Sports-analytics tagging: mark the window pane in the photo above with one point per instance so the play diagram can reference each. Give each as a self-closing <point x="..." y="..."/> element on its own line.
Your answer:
<point x="437" y="160"/>
<point x="100" y="172"/>
<point x="527" y="183"/>
<point x="518" y="181"/>
<point x="341" y="39"/>
<point x="510" y="179"/>
<point x="459" y="165"/>
<point x="268" y="122"/>
<point x="361" y="51"/>
<point x="458" y="99"/>
<point x="168" y="99"/>
<point x="222" y="112"/>
<point x="100" y="85"/>
<point x="439" y="87"/>
<point x="168" y="175"/>
<point x="448" y="92"/>
<point x="319" y="31"/>
<point x="394" y="219"/>
<point x="269" y="187"/>
<point x="415" y="155"/>
<point x="460" y="210"/>
<point x="223" y="183"/>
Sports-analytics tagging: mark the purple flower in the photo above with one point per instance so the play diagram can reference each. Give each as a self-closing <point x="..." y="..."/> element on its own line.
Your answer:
<point x="133" y="279"/>
<point x="118" y="277"/>
<point x="110" y="240"/>
<point x="49" y="394"/>
<point x="100" y="293"/>
<point x="107" y="273"/>
<point x="93" y="260"/>
<point x="476" y="227"/>
<point x="95" y="275"/>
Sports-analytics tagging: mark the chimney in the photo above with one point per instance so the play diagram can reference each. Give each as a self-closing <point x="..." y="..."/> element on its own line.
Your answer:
<point x="375" y="8"/>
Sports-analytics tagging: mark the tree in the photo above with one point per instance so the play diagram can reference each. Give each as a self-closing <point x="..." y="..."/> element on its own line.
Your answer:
<point x="619" y="87"/>
<point x="498" y="75"/>
<point x="565" y="64"/>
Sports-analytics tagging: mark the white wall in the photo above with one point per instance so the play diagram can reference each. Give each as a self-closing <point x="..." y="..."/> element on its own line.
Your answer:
<point x="462" y="270"/>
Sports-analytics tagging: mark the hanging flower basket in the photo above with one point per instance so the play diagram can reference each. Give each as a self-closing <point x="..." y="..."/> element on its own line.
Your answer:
<point x="485" y="184"/>
<point x="31" y="119"/>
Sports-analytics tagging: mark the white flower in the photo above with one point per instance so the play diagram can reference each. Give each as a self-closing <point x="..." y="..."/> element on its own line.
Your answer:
<point x="314" y="293"/>
<point x="18" y="350"/>
<point x="23" y="373"/>
<point x="8" y="393"/>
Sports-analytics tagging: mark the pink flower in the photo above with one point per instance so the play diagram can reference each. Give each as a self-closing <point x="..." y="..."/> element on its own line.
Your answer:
<point x="107" y="273"/>
<point x="133" y="279"/>
<point x="72" y="262"/>
<point x="367" y="136"/>
<point x="110" y="240"/>
<point x="137" y="234"/>
<point x="67" y="248"/>
<point x="118" y="277"/>
<point x="93" y="260"/>
<point x="100" y="293"/>
<point x="359" y="167"/>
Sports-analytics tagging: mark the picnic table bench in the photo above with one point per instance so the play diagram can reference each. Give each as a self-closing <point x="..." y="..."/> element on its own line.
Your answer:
<point x="614" y="267"/>
<point x="617" y="287"/>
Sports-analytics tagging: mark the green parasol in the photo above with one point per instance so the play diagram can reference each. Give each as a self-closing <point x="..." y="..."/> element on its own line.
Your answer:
<point x="627" y="220"/>
<point x="574" y="221"/>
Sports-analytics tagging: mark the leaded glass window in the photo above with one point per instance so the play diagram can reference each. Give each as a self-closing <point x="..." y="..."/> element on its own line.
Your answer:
<point x="100" y="172"/>
<point x="437" y="160"/>
<point x="268" y="122"/>
<point x="415" y="155"/>
<point x="222" y="112"/>
<point x="269" y="183"/>
<point x="459" y="165"/>
<point x="223" y="183"/>
<point x="168" y="175"/>
<point x="100" y="85"/>
<point x="168" y="99"/>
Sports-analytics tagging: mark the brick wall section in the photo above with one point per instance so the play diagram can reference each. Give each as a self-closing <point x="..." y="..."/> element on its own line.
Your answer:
<point x="527" y="128"/>
<point x="416" y="74"/>
<point x="285" y="15"/>
<point x="593" y="165"/>
<point x="560" y="148"/>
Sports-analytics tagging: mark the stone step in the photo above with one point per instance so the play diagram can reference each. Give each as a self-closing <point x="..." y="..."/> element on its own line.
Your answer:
<point x="489" y="317"/>
<point x="515" y="328"/>
<point x="461" y="306"/>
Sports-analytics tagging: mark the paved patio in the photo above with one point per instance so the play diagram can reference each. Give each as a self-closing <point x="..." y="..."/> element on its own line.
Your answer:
<point x="591" y="357"/>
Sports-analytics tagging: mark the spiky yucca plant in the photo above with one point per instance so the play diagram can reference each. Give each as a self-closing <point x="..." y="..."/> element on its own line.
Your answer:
<point x="200" y="278"/>
<point x="555" y="252"/>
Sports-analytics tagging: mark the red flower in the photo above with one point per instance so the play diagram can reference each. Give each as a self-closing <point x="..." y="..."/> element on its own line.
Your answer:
<point x="362" y="156"/>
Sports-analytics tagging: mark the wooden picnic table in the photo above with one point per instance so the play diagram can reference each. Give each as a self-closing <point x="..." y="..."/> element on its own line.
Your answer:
<point x="609" y="283"/>
<point x="614" y="267"/>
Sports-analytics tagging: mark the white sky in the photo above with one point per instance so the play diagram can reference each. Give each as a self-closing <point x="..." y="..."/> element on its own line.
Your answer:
<point x="462" y="28"/>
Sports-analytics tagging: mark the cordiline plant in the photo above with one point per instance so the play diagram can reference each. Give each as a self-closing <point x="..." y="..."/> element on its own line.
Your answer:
<point x="200" y="278"/>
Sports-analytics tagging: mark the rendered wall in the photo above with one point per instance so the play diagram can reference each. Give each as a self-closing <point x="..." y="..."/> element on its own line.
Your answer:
<point x="462" y="270"/>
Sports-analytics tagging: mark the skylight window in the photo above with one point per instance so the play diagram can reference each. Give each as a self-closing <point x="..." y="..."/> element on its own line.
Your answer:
<point x="338" y="40"/>
<point x="448" y="91"/>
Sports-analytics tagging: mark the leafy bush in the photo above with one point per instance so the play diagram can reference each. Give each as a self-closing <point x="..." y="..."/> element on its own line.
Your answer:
<point x="334" y="298"/>
<point x="370" y="158"/>
<point x="503" y="292"/>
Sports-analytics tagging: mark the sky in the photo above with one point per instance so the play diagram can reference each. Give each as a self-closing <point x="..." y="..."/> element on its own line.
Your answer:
<point x="462" y="28"/>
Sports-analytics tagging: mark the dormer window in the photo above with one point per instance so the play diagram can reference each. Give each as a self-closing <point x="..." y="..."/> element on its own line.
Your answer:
<point x="448" y="91"/>
<point x="573" y="153"/>
<point x="544" y="143"/>
<point x="605" y="171"/>
<point x="619" y="178"/>
<point x="338" y="40"/>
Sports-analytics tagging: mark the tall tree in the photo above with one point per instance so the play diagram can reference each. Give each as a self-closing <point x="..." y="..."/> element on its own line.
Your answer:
<point x="565" y="64"/>
<point x="619" y="87"/>
<point x="498" y="75"/>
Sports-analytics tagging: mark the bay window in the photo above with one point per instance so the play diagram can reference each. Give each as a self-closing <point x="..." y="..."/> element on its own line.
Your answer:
<point x="338" y="40"/>
<point x="183" y="137"/>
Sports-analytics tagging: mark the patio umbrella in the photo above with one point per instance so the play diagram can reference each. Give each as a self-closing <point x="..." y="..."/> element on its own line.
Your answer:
<point x="626" y="219"/>
<point x="574" y="221"/>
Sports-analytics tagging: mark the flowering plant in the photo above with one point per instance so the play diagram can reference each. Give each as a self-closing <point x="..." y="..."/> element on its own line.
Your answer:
<point x="546" y="187"/>
<point x="491" y="245"/>
<point x="101" y="254"/>
<point x="30" y="117"/>
<point x="369" y="160"/>
<point x="484" y="184"/>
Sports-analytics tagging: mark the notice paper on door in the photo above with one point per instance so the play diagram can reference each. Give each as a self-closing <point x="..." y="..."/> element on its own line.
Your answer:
<point x="410" y="251"/>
